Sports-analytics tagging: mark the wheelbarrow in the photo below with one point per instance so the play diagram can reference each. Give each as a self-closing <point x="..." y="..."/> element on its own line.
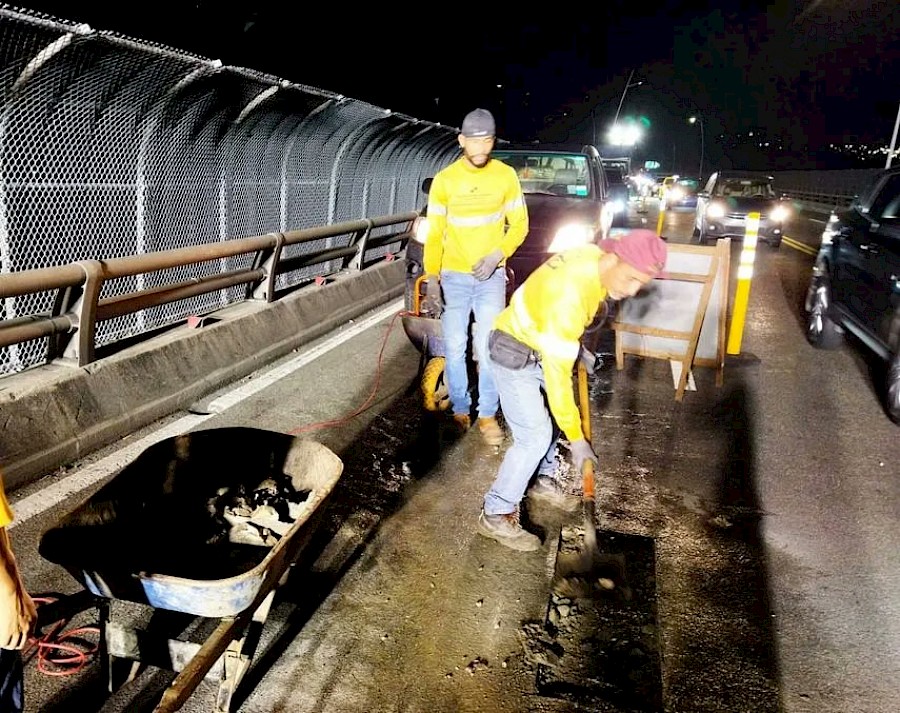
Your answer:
<point x="424" y="331"/>
<point x="153" y="535"/>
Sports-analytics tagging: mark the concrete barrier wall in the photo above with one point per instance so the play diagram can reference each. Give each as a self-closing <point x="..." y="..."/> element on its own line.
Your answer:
<point x="55" y="414"/>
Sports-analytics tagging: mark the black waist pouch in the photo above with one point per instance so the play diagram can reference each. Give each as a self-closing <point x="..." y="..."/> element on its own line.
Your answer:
<point x="508" y="351"/>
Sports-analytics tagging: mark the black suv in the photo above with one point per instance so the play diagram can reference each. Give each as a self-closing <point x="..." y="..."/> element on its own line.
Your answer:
<point x="727" y="199"/>
<point x="855" y="284"/>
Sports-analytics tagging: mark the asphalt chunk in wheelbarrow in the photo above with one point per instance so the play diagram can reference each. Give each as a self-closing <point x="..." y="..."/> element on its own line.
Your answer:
<point x="163" y="513"/>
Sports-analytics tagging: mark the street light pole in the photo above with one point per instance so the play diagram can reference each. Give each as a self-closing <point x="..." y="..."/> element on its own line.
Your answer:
<point x="692" y="120"/>
<point x="628" y="85"/>
<point x="893" y="140"/>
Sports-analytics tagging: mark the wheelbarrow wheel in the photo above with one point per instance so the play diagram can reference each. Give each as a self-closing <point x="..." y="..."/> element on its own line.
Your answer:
<point x="435" y="393"/>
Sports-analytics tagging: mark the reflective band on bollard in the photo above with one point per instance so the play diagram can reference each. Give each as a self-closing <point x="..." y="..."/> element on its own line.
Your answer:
<point x="744" y="275"/>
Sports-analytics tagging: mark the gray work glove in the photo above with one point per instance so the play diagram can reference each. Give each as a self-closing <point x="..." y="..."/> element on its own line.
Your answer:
<point x="485" y="267"/>
<point x="581" y="453"/>
<point x="433" y="303"/>
<point x="588" y="358"/>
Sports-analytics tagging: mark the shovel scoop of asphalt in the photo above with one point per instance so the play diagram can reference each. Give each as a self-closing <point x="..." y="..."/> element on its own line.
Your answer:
<point x="588" y="573"/>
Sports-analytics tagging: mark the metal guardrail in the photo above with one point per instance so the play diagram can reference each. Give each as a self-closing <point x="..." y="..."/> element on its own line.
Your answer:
<point x="71" y="326"/>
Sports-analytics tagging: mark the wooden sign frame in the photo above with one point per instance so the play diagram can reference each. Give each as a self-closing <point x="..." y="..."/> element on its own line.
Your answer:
<point x="715" y="275"/>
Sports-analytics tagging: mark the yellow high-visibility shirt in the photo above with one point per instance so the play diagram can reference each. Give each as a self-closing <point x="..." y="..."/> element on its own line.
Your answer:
<point x="6" y="515"/>
<point x="549" y="312"/>
<point x="468" y="212"/>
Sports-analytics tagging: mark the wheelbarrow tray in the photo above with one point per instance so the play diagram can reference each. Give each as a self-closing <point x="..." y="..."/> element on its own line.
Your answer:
<point x="142" y="536"/>
<point x="425" y="333"/>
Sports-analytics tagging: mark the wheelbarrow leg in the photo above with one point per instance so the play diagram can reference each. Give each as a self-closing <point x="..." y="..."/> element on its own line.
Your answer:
<point x="237" y="657"/>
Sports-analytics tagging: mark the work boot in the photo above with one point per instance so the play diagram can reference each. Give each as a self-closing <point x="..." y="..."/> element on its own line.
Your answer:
<point x="547" y="491"/>
<point x="507" y="530"/>
<point x="462" y="422"/>
<point x="490" y="431"/>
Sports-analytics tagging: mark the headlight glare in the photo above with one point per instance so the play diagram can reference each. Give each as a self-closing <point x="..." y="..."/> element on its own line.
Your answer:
<point x="420" y="229"/>
<point x="715" y="210"/>
<point x="571" y="236"/>
<point x="779" y="214"/>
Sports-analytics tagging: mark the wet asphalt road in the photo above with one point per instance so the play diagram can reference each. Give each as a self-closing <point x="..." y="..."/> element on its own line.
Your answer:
<point x="767" y="508"/>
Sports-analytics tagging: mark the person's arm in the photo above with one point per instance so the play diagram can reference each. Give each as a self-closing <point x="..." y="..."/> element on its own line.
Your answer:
<point x="437" y="225"/>
<point x="17" y="610"/>
<point x="516" y="217"/>
<point x="559" y="350"/>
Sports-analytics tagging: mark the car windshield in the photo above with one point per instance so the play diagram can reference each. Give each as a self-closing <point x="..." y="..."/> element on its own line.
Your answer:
<point x="688" y="185"/>
<point x="745" y="188"/>
<point x="557" y="174"/>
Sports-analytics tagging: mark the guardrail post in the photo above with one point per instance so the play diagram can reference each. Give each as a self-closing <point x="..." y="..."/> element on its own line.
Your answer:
<point x="267" y="260"/>
<point x="361" y="240"/>
<point x="81" y="306"/>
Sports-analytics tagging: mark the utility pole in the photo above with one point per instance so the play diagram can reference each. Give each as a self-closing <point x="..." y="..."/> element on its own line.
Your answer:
<point x="893" y="140"/>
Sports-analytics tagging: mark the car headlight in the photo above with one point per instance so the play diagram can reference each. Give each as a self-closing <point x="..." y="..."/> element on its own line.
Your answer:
<point x="571" y="236"/>
<point x="420" y="229"/>
<point x="779" y="214"/>
<point x="715" y="210"/>
<point x="676" y="194"/>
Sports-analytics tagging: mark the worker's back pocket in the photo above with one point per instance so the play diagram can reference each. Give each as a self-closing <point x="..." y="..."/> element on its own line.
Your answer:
<point x="508" y="351"/>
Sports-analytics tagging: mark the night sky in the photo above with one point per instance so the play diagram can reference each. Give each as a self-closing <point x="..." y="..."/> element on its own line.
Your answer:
<point x="809" y="72"/>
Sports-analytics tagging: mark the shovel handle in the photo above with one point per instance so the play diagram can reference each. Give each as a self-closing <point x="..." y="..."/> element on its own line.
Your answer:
<point x="587" y="470"/>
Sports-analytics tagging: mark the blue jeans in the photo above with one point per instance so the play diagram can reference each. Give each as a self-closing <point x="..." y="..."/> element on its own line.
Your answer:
<point x="534" y="436"/>
<point x="11" y="681"/>
<point x="464" y="295"/>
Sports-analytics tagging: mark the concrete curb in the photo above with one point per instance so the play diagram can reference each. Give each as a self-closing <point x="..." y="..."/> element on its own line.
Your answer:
<point x="55" y="414"/>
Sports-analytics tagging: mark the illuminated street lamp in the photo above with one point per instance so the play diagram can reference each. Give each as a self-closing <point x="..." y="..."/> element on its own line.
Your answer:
<point x="624" y="135"/>
<point x="628" y="86"/>
<point x="694" y="120"/>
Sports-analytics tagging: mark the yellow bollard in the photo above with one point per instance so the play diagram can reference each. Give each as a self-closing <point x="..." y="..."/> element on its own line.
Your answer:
<point x="744" y="276"/>
<point x="662" y="212"/>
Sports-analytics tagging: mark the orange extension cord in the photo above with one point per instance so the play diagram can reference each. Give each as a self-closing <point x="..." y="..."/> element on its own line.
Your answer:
<point x="62" y="652"/>
<point x="368" y="402"/>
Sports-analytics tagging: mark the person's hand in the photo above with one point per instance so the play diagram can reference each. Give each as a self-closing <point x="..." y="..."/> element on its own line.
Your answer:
<point x="588" y="358"/>
<point x="581" y="453"/>
<point x="433" y="303"/>
<point x="485" y="267"/>
<point x="18" y="616"/>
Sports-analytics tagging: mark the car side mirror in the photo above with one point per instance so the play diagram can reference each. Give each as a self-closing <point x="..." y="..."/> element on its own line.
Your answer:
<point x="703" y="194"/>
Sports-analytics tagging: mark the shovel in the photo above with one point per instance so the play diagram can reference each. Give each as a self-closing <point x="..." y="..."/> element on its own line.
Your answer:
<point x="587" y="572"/>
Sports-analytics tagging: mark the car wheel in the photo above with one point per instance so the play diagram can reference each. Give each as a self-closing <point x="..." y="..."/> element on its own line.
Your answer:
<point x="892" y="390"/>
<point x="821" y="331"/>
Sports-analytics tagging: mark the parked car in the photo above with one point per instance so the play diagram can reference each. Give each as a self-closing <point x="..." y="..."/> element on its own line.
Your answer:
<point x="727" y="199"/>
<point x="855" y="285"/>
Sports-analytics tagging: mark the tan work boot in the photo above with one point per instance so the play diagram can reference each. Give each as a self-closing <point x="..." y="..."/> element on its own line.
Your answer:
<point x="462" y="422"/>
<point x="490" y="431"/>
<point x="507" y="530"/>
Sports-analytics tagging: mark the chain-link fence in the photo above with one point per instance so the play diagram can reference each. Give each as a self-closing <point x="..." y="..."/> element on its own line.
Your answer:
<point x="112" y="147"/>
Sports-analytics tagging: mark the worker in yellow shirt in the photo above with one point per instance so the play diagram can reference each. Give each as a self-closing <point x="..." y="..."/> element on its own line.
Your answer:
<point x="17" y="618"/>
<point x="477" y="219"/>
<point x="532" y="350"/>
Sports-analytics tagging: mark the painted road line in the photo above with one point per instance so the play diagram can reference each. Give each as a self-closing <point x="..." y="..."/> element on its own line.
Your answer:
<point x="46" y="498"/>
<point x="797" y="245"/>
<point x="817" y="220"/>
